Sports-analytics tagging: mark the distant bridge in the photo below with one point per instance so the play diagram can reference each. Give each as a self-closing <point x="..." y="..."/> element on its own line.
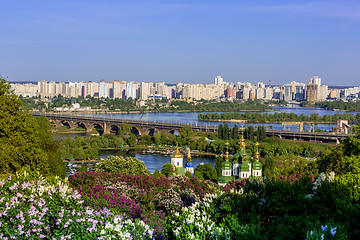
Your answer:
<point x="108" y="125"/>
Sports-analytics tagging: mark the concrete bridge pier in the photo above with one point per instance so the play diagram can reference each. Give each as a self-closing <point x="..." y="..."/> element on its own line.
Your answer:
<point x="89" y="127"/>
<point x="143" y="130"/>
<point x="72" y="124"/>
<point x="106" y="128"/>
<point x="57" y="123"/>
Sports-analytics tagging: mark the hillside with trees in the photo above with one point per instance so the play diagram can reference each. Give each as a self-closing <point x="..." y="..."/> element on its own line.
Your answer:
<point x="25" y="140"/>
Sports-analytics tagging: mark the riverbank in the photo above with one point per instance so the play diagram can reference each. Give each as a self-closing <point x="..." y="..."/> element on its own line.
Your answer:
<point x="144" y="112"/>
<point x="265" y="122"/>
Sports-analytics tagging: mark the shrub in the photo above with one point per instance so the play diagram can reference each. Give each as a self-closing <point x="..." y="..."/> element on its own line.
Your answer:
<point x="116" y="164"/>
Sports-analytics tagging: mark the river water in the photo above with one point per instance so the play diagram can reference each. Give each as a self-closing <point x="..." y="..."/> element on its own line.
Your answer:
<point x="192" y="118"/>
<point x="152" y="162"/>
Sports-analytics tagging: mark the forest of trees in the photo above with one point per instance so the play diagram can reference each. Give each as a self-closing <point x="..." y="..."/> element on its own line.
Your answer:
<point x="352" y="106"/>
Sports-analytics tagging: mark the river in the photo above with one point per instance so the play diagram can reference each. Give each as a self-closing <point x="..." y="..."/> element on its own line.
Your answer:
<point x="152" y="162"/>
<point x="192" y="117"/>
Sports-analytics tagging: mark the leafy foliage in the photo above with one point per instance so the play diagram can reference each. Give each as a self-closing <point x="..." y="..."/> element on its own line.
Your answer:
<point x="279" y="117"/>
<point x="205" y="172"/>
<point x="168" y="170"/>
<point x="116" y="164"/>
<point x="351" y="144"/>
<point x="25" y="140"/>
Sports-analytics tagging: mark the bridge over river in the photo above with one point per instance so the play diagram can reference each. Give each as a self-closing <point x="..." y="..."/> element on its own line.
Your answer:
<point x="107" y="126"/>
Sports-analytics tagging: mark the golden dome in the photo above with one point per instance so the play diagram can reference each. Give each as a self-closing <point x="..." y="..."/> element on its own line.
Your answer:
<point x="177" y="153"/>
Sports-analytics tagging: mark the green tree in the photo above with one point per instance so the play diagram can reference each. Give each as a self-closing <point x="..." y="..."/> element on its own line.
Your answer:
<point x="218" y="164"/>
<point x="226" y="132"/>
<point x="205" y="172"/>
<point x="157" y="138"/>
<point x="351" y="144"/>
<point x="332" y="161"/>
<point x="157" y="173"/>
<point x="235" y="132"/>
<point x="188" y="175"/>
<point x="220" y="131"/>
<point x="261" y="134"/>
<point x="131" y="141"/>
<point x="249" y="133"/>
<point x="145" y="140"/>
<point x="168" y="170"/>
<point x="25" y="140"/>
<point x="116" y="164"/>
<point x="186" y="132"/>
<point x="270" y="169"/>
<point x="125" y="129"/>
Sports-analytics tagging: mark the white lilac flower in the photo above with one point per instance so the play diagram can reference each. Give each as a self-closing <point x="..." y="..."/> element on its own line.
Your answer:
<point x="109" y="226"/>
<point x="117" y="228"/>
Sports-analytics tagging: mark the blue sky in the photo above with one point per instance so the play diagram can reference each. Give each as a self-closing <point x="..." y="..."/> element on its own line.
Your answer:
<point x="181" y="41"/>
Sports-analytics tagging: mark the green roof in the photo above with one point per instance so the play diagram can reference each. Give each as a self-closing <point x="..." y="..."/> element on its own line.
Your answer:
<point x="244" y="167"/>
<point x="239" y="155"/>
<point x="257" y="165"/>
<point x="226" y="165"/>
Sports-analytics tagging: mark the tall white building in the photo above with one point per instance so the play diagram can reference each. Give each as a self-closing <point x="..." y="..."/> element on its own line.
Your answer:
<point x="103" y="89"/>
<point x="119" y="89"/>
<point x="146" y="90"/>
<point x="131" y="90"/>
<point x="268" y="93"/>
<point x="90" y="88"/>
<point x="219" y="80"/>
<point x="315" y="80"/>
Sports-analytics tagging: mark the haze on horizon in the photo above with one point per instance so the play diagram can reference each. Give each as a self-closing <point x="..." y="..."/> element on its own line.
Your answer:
<point x="181" y="41"/>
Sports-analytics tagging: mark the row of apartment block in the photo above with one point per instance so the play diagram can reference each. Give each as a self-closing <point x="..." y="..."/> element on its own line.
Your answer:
<point x="294" y="91"/>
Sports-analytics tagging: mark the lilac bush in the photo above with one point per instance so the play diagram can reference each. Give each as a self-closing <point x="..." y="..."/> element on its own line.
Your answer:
<point x="148" y="198"/>
<point x="34" y="208"/>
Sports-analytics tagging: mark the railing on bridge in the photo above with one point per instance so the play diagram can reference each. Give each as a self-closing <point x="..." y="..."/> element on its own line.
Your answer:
<point x="73" y="117"/>
<point x="204" y="128"/>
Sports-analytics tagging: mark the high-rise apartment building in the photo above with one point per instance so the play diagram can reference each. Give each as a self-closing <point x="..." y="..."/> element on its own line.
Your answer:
<point x="268" y="93"/>
<point x="119" y="89"/>
<point x="25" y="90"/>
<point x="219" y="81"/>
<point x="146" y="90"/>
<point x="131" y="90"/>
<point x="103" y="89"/>
<point x="315" y="91"/>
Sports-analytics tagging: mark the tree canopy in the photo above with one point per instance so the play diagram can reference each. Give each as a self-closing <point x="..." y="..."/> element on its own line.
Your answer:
<point x="116" y="164"/>
<point x="25" y="140"/>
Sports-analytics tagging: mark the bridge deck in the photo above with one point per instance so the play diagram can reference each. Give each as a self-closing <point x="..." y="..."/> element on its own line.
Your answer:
<point x="201" y="128"/>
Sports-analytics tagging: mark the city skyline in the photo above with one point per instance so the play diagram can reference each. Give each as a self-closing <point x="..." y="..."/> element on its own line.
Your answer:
<point x="313" y="91"/>
<point x="181" y="41"/>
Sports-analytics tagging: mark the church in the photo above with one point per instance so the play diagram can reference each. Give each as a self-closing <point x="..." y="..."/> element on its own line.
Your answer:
<point x="177" y="160"/>
<point x="241" y="167"/>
